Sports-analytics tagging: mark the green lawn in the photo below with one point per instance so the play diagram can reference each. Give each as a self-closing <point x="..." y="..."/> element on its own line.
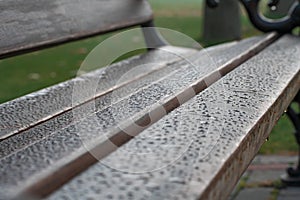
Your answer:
<point x="282" y="140"/>
<point x="24" y="74"/>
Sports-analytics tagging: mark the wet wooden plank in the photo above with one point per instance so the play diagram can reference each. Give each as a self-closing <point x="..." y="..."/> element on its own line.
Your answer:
<point x="22" y="113"/>
<point x="33" y="24"/>
<point x="200" y="150"/>
<point x="63" y="147"/>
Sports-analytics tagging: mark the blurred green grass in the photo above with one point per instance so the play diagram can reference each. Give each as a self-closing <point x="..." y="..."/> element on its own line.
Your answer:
<point x="27" y="73"/>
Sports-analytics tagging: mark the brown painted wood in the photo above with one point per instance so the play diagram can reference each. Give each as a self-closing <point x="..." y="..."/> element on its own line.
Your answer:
<point x="33" y="24"/>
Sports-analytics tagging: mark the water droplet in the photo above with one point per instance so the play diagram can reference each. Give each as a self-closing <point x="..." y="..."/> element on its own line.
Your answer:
<point x="273" y="8"/>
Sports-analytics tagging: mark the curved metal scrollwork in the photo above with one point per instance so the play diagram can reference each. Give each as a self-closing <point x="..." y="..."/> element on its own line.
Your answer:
<point x="283" y="25"/>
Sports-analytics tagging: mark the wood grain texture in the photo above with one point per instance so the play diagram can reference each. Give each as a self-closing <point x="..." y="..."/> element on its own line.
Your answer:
<point x="61" y="143"/>
<point x="32" y="24"/>
<point x="30" y="110"/>
<point x="200" y="150"/>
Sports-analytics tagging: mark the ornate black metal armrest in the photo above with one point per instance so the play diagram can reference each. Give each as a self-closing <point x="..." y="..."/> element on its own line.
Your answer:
<point x="264" y="24"/>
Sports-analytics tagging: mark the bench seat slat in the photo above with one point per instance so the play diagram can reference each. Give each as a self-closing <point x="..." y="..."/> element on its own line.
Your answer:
<point x="221" y="130"/>
<point x="44" y="150"/>
<point x="32" y="24"/>
<point x="29" y="110"/>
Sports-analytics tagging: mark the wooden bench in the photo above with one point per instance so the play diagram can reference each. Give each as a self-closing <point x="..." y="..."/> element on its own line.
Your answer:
<point x="184" y="128"/>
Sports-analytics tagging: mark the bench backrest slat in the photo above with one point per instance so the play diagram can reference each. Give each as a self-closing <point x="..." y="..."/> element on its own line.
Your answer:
<point x="33" y="24"/>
